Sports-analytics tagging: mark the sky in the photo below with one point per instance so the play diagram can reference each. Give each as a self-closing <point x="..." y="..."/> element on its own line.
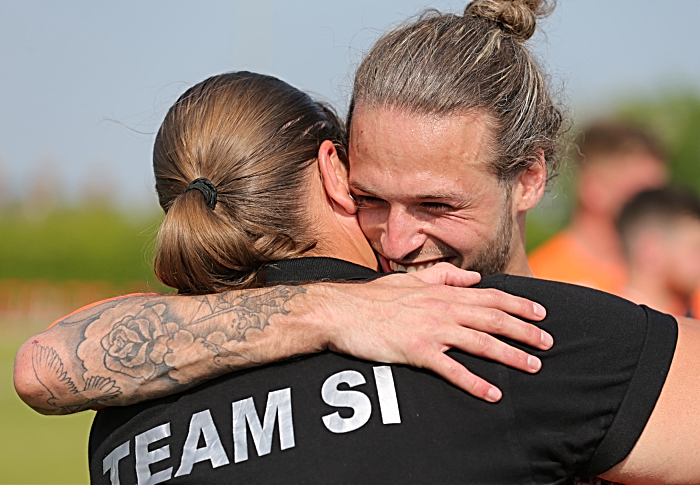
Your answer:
<point x="84" y="85"/>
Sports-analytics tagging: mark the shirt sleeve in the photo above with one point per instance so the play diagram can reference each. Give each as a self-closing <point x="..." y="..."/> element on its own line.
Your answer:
<point x="599" y="383"/>
<point x="642" y="393"/>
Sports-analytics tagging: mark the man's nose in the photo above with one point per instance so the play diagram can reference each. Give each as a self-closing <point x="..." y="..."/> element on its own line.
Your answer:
<point x="402" y="235"/>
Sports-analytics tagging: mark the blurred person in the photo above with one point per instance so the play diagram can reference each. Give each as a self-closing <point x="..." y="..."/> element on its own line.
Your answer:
<point x="464" y="156"/>
<point x="660" y="233"/>
<point x="614" y="162"/>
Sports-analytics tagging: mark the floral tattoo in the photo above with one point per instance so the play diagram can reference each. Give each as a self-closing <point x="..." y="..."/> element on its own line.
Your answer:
<point x="148" y="338"/>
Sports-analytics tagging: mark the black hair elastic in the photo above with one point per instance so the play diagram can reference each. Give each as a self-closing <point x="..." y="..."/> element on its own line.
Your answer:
<point x="207" y="189"/>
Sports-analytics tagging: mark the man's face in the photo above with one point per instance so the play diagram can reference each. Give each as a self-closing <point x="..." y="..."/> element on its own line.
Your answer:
<point x="424" y="191"/>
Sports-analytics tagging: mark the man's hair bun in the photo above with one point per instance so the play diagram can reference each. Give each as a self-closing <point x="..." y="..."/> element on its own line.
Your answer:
<point x="517" y="17"/>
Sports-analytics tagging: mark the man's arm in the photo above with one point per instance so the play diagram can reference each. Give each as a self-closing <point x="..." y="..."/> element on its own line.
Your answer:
<point x="137" y="348"/>
<point x="667" y="451"/>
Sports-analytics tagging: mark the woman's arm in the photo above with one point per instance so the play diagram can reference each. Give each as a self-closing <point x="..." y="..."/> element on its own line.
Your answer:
<point x="137" y="348"/>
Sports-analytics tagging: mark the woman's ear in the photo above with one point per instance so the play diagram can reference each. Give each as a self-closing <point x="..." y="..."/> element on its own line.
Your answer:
<point x="530" y="185"/>
<point x="335" y="177"/>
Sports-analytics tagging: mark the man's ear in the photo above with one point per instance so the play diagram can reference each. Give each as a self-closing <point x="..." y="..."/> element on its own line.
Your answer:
<point x="530" y="185"/>
<point x="335" y="177"/>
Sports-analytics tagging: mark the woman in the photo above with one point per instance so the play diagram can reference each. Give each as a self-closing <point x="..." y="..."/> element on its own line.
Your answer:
<point x="236" y="172"/>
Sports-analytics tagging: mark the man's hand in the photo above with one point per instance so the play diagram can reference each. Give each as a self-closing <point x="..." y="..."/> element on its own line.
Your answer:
<point x="414" y="318"/>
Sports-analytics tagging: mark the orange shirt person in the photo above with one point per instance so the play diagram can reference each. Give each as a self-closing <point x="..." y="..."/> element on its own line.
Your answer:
<point x="615" y="162"/>
<point x="564" y="258"/>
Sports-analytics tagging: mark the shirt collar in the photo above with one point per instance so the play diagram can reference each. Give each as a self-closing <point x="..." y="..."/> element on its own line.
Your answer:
<point x="299" y="270"/>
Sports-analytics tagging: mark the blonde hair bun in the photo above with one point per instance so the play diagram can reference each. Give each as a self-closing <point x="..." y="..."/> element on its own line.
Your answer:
<point x="517" y="17"/>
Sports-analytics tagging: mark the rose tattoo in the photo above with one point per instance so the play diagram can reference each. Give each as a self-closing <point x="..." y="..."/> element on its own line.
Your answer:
<point x="138" y="343"/>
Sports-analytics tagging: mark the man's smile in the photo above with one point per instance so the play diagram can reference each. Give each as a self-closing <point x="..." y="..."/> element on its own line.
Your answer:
<point x="410" y="268"/>
<point x="389" y="265"/>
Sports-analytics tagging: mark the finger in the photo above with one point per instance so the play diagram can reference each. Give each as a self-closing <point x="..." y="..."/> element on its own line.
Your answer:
<point x="515" y="305"/>
<point x="484" y="345"/>
<point x="497" y="322"/>
<point x="460" y="376"/>
<point x="448" y="274"/>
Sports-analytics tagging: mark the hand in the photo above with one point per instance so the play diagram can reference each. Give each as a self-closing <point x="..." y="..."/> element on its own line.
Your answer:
<point x="414" y="318"/>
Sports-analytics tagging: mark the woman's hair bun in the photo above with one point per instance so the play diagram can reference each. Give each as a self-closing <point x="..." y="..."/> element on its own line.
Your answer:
<point x="516" y="17"/>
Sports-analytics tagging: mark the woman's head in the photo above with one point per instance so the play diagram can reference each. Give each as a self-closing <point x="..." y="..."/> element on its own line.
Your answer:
<point x="255" y="139"/>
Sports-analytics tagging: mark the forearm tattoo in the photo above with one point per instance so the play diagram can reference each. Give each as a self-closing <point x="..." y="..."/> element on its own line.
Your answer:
<point x="120" y="343"/>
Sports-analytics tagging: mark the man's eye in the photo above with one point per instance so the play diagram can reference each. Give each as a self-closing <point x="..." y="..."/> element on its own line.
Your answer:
<point x="367" y="202"/>
<point x="436" y="206"/>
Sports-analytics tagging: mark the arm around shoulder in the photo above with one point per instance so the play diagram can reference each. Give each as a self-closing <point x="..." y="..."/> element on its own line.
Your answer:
<point x="134" y="349"/>
<point x="131" y="349"/>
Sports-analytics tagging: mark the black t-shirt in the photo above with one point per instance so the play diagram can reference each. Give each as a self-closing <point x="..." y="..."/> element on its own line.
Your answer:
<point x="330" y="418"/>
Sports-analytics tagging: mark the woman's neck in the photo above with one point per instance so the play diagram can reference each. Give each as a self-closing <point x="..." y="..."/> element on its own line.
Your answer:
<point x="343" y="239"/>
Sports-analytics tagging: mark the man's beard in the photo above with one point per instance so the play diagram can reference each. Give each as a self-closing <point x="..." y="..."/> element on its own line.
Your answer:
<point x="494" y="256"/>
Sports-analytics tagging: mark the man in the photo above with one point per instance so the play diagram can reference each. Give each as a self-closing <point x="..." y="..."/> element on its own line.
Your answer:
<point x="660" y="233"/>
<point x="574" y="420"/>
<point x="614" y="162"/>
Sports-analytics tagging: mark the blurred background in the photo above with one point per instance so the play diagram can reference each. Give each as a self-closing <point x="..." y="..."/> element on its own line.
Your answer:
<point x="85" y="85"/>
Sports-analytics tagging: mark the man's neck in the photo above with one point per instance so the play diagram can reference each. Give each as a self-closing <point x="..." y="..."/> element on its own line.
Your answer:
<point x="518" y="265"/>
<point x="519" y="268"/>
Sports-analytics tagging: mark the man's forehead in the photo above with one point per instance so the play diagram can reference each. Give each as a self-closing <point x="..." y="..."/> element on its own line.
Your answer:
<point x="421" y="193"/>
<point x="429" y="156"/>
<point x="415" y="126"/>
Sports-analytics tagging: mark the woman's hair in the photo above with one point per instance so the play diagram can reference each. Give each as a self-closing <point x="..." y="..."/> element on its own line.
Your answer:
<point x="253" y="137"/>
<point x="445" y="64"/>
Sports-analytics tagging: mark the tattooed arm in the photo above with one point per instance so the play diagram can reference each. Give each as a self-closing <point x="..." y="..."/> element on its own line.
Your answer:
<point x="136" y="348"/>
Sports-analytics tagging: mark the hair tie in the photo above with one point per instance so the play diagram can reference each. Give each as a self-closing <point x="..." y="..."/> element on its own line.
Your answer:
<point x="207" y="189"/>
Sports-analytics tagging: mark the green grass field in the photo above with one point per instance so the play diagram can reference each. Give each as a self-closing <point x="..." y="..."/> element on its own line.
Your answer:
<point x="37" y="449"/>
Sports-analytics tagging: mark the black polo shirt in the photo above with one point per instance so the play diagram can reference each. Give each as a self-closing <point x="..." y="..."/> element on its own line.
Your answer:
<point x="330" y="418"/>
